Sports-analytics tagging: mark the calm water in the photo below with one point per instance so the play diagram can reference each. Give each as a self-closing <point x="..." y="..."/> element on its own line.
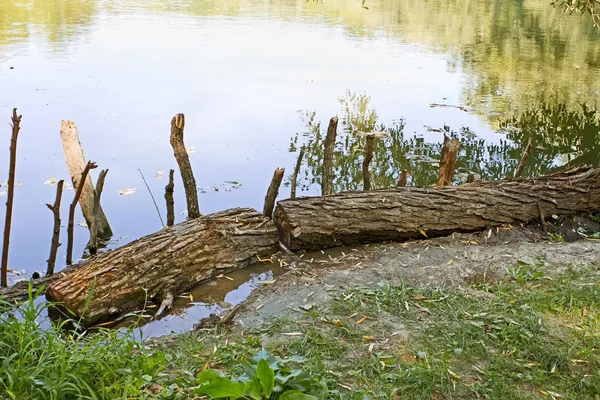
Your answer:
<point x="258" y="79"/>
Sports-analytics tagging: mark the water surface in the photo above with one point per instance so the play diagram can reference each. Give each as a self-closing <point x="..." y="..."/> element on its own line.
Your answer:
<point x="258" y="79"/>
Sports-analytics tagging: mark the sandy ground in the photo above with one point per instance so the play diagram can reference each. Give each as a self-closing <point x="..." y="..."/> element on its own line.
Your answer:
<point x="459" y="261"/>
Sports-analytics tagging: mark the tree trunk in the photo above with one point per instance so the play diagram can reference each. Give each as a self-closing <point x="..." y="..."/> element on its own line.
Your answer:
<point x="76" y="163"/>
<point x="402" y="213"/>
<point x="167" y="262"/>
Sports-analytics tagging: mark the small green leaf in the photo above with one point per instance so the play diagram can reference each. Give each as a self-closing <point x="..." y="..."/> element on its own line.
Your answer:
<point x="266" y="376"/>
<point x="223" y="387"/>
<point x="147" y="378"/>
<point x="296" y="395"/>
<point x="208" y="376"/>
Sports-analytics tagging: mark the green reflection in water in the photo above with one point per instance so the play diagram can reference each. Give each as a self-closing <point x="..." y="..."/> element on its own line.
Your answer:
<point x="560" y="137"/>
<point x="58" y="20"/>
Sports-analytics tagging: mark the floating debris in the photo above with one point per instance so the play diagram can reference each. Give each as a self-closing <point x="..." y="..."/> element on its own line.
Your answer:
<point x="190" y="150"/>
<point x="160" y="173"/>
<point x="126" y="192"/>
<point x="51" y="182"/>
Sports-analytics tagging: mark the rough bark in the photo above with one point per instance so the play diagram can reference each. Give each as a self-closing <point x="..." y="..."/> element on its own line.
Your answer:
<point x="367" y="160"/>
<point x="183" y="160"/>
<point x="76" y="163"/>
<point x="56" y="230"/>
<point x="97" y="195"/>
<point x="169" y="189"/>
<point x="327" y="183"/>
<point x="165" y="263"/>
<point x="272" y="192"/>
<point x="16" y="126"/>
<point x="401" y="213"/>
<point x="448" y="160"/>
<point x="524" y="158"/>
<point x="296" y="171"/>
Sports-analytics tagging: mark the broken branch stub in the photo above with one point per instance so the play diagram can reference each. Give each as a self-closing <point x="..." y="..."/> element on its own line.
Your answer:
<point x="272" y="192"/>
<point x="327" y="182"/>
<point x="76" y="164"/>
<point x="169" y="190"/>
<point x="97" y="194"/>
<point x="296" y="171"/>
<point x="183" y="160"/>
<point x="524" y="158"/>
<point x="448" y="160"/>
<point x="366" y="161"/>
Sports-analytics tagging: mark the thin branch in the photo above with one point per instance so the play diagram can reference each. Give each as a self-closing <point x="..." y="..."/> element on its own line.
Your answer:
<point x="84" y="174"/>
<point x="56" y="230"/>
<point x="296" y="171"/>
<point x="16" y="126"/>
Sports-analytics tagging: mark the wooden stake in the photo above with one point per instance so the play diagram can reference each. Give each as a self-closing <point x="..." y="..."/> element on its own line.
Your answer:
<point x="296" y="171"/>
<point x="273" y="192"/>
<point x="448" y="160"/>
<point x="16" y="126"/>
<point x="169" y="189"/>
<point x="56" y="230"/>
<point x="403" y="178"/>
<point x="367" y="160"/>
<point x="76" y="164"/>
<point x="93" y="246"/>
<point x="84" y="174"/>
<point x="183" y="160"/>
<point x="526" y="153"/>
<point x="327" y="183"/>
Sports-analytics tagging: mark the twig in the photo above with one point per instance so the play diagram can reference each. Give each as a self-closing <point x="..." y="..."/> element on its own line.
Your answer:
<point x="96" y="206"/>
<point x="273" y="192"/>
<point x="183" y="160"/>
<point x="367" y="160"/>
<point x="16" y="126"/>
<point x="327" y="183"/>
<point x="524" y="157"/>
<point x="169" y="189"/>
<point x="153" y="200"/>
<point x="56" y="231"/>
<point x="86" y="170"/>
<point x="296" y="171"/>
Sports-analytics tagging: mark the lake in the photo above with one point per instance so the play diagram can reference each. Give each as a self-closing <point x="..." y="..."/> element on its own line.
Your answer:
<point x="257" y="80"/>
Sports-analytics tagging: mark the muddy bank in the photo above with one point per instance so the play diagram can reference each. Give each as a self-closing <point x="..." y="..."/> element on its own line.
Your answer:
<point x="459" y="260"/>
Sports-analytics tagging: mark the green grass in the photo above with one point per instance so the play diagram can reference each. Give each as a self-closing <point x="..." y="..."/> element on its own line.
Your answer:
<point x="533" y="336"/>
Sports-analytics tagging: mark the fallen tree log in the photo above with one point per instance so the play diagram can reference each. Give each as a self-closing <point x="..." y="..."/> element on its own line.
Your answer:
<point x="407" y="212"/>
<point x="163" y="264"/>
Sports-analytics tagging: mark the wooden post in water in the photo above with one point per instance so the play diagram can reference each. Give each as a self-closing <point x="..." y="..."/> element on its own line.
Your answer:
<point x="327" y="183"/>
<point x="93" y="246"/>
<point x="84" y="174"/>
<point x="296" y="171"/>
<point x="403" y="178"/>
<point x="526" y="153"/>
<point x="56" y="230"/>
<point x="273" y="192"/>
<point x="183" y="160"/>
<point x="169" y="189"/>
<point x="16" y="126"/>
<point x="76" y="164"/>
<point x="448" y="160"/>
<point x="366" y="161"/>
